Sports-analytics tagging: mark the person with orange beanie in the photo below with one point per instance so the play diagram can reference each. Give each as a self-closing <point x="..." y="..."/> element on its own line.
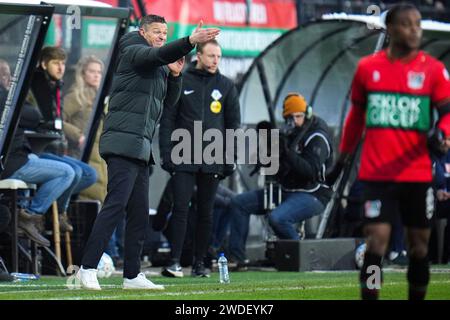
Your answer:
<point x="305" y="151"/>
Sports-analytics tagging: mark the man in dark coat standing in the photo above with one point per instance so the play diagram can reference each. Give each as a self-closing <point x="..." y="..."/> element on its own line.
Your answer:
<point x="147" y="76"/>
<point x="209" y="101"/>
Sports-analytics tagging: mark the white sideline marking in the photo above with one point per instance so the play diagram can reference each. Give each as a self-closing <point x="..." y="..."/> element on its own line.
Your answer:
<point x="62" y="286"/>
<point x="162" y="293"/>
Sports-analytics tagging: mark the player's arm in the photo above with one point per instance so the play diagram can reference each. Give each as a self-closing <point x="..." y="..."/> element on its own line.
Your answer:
<point x="440" y="97"/>
<point x="144" y="56"/>
<point x="440" y="100"/>
<point x="355" y="121"/>
<point x="354" y="125"/>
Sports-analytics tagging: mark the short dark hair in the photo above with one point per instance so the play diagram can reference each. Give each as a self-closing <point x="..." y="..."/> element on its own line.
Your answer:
<point x="200" y="46"/>
<point x="151" y="18"/>
<point x="394" y="11"/>
<point x="52" y="53"/>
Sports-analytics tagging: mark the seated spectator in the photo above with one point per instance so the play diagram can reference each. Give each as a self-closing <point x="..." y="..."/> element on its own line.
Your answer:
<point x="52" y="177"/>
<point x="304" y="151"/>
<point x="78" y="108"/>
<point x="46" y="92"/>
<point x="78" y="105"/>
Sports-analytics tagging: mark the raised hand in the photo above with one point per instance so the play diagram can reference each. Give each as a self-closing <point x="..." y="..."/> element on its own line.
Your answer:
<point x="176" y="67"/>
<point x="201" y="35"/>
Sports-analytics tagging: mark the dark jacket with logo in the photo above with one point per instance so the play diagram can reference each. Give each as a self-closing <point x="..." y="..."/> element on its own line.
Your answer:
<point x="212" y="100"/>
<point x="304" y="159"/>
<point x="141" y="84"/>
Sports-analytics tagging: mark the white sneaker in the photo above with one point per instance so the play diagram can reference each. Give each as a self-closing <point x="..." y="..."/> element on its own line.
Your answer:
<point x="141" y="282"/>
<point x="88" y="279"/>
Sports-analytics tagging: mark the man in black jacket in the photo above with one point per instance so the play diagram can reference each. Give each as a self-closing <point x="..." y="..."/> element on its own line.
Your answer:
<point x="210" y="100"/>
<point x="147" y="74"/>
<point x="304" y="152"/>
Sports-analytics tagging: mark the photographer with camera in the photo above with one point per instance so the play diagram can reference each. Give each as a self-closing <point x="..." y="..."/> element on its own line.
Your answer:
<point x="304" y="152"/>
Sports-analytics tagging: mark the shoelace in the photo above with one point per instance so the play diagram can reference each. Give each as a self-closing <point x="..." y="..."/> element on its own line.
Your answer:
<point x="142" y="276"/>
<point x="92" y="276"/>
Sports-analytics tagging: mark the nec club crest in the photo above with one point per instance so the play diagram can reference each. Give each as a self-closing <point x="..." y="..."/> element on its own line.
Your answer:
<point x="416" y="80"/>
<point x="376" y="76"/>
<point x="372" y="208"/>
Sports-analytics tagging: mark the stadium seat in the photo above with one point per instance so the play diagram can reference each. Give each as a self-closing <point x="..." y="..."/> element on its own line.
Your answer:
<point x="9" y="188"/>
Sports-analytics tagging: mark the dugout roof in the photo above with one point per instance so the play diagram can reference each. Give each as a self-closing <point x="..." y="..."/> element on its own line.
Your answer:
<point x="318" y="59"/>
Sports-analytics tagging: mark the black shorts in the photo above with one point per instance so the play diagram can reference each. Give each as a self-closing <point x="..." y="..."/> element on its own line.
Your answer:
<point x="384" y="202"/>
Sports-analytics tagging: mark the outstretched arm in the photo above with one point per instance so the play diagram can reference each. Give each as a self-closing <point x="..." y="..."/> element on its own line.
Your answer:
<point x="353" y="128"/>
<point x="171" y="52"/>
<point x="440" y="97"/>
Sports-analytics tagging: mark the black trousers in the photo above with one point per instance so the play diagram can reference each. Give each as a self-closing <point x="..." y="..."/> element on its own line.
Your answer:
<point x="183" y="184"/>
<point x="443" y="212"/>
<point x="128" y="188"/>
<point x="5" y="217"/>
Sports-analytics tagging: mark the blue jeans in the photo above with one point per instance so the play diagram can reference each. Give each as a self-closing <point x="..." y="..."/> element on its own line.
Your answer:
<point x="54" y="178"/>
<point x="221" y="216"/>
<point x="85" y="176"/>
<point x="295" y="207"/>
<point x="397" y="236"/>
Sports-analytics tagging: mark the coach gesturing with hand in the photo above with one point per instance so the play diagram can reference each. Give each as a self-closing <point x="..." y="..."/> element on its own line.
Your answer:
<point x="147" y="73"/>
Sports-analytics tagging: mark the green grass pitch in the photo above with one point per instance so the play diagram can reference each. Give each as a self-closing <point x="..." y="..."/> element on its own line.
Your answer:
<point x="251" y="285"/>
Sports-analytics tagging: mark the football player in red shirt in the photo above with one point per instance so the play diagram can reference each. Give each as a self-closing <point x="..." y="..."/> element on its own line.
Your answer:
<point x="393" y="94"/>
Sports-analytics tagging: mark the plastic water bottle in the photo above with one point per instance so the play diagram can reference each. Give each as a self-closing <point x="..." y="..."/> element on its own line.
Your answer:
<point x="223" y="269"/>
<point x="18" y="277"/>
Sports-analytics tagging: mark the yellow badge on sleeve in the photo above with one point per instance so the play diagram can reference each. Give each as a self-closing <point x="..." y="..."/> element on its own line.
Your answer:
<point x="215" y="106"/>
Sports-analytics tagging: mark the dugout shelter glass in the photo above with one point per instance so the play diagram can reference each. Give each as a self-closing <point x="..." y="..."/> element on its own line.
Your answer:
<point x="88" y="28"/>
<point x="22" y="31"/>
<point x="318" y="59"/>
